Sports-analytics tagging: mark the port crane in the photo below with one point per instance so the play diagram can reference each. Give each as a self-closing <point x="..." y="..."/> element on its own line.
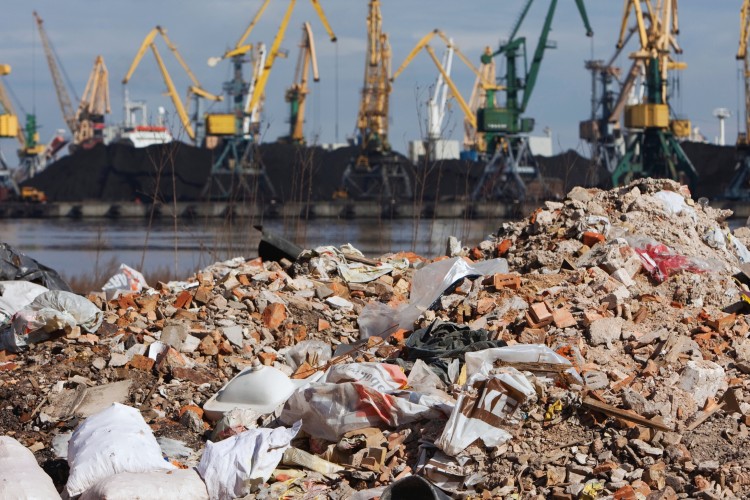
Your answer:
<point x="443" y="88"/>
<point x="238" y="130"/>
<point x="739" y="186"/>
<point x="376" y="172"/>
<point x="652" y="148"/>
<point x="31" y="154"/>
<point x="94" y="105"/>
<point x="192" y="123"/>
<point x="296" y="95"/>
<point x="511" y="165"/>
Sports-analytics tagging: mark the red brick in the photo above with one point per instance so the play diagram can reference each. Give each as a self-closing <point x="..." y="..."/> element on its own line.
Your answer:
<point x="195" y="409"/>
<point x="183" y="300"/>
<point x="170" y="359"/>
<point x="140" y="362"/>
<point x="540" y="313"/>
<point x="194" y="376"/>
<point x="323" y="325"/>
<point x="267" y="358"/>
<point x="503" y="247"/>
<point x="591" y="238"/>
<point x="208" y="346"/>
<point x="562" y="318"/>
<point x="274" y="315"/>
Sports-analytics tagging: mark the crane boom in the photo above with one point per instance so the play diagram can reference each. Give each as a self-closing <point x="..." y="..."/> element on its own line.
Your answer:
<point x="454" y="90"/>
<point x="296" y="95"/>
<point x="173" y="94"/>
<point x="63" y="97"/>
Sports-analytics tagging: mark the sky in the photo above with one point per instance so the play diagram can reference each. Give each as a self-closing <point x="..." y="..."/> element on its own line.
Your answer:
<point x="82" y="29"/>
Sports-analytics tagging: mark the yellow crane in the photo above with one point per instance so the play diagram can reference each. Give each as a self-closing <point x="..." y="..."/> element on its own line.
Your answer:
<point x="195" y="91"/>
<point x="94" y="104"/>
<point x="8" y="118"/>
<point x="63" y="98"/>
<point x="239" y="129"/>
<point x="372" y="120"/>
<point x="296" y="95"/>
<point x="653" y="150"/>
<point x="435" y="115"/>
<point x="739" y="186"/>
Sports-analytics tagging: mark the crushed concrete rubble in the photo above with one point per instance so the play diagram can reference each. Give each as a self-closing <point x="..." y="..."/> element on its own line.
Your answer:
<point x="609" y="359"/>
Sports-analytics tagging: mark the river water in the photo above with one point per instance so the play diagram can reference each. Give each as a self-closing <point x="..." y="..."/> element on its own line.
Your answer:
<point x="176" y="248"/>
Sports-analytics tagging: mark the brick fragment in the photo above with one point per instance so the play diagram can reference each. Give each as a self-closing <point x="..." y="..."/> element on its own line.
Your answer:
<point x="183" y="300"/>
<point x="140" y="362"/>
<point x="540" y="313"/>
<point x="274" y="315"/>
<point x="591" y="238"/>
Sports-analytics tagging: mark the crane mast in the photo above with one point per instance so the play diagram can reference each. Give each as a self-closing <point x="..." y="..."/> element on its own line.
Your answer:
<point x="69" y="114"/>
<point x="94" y="105"/>
<point x="652" y="148"/>
<point x="296" y="95"/>
<point x="376" y="173"/>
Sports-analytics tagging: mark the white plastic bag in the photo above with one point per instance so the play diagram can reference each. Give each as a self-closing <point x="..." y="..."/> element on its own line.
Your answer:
<point x="428" y="285"/>
<point x="238" y="465"/>
<point x="329" y="411"/>
<point x="674" y="203"/>
<point x="112" y="441"/>
<point x="128" y="280"/>
<point x="21" y="478"/>
<point x="15" y="295"/>
<point x="185" y="484"/>
<point x="485" y="407"/>
<point x="380" y="376"/>
<point x="481" y="362"/>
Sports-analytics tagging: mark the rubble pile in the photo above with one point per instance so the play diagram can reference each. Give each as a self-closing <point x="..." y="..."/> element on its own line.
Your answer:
<point x="597" y="349"/>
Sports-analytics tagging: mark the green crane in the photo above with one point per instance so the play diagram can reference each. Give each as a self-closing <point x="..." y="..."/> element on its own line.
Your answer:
<point x="511" y="164"/>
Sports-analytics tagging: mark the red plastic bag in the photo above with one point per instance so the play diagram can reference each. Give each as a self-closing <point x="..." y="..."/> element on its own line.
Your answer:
<point x="662" y="262"/>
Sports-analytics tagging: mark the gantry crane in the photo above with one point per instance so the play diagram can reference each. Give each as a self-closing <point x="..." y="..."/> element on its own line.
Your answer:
<point x="376" y="172"/>
<point x="739" y="186"/>
<point x="193" y="124"/>
<point x="235" y="169"/>
<point x="511" y="165"/>
<point x="296" y="95"/>
<point x="444" y="86"/>
<point x="652" y="148"/>
<point x="474" y="143"/>
<point x="94" y="105"/>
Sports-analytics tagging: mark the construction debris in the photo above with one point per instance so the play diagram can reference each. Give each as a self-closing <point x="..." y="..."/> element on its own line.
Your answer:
<point x="598" y="348"/>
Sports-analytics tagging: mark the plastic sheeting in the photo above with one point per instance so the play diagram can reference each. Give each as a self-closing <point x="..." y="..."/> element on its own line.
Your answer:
<point x="183" y="484"/>
<point x="14" y="296"/>
<point x="15" y="266"/>
<point x="428" y="285"/>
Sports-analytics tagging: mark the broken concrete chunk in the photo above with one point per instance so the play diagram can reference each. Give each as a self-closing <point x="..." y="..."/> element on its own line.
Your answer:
<point x="702" y="379"/>
<point x="606" y="330"/>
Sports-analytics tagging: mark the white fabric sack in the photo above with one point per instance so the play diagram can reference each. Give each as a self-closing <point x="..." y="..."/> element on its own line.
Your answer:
<point x="21" y="478"/>
<point x="236" y="466"/>
<point x="428" y="285"/>
<point x="329" y="411"/>
<point x="112" y="441"/>
<point x="182" y="484"/>
<point x="380" y="376"/>
<point x="484" y="408"/>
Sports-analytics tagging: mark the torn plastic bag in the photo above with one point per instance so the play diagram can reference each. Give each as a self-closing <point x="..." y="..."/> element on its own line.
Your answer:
<point x="185" y="484"/>
<point x="485" y="408"/>
<point x="428" y="285"/>
<point x="109" y="442"/>
<point x="313" y="352"/>
<point x="14" y="296"/>
<point x="483" y="362"/>
<point x="743" y="254"/>
<point x="20" y="474"/>
<point x="238" y="465"/>
<point x="328" y="411"/>
<point x="379" y="376"/>
<point x="662" y="262"/>
<point x="674" y="203"/>
<point x="15" y="266"/>
<point x="128" y="280"/>
<point x="49" y="312"/>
